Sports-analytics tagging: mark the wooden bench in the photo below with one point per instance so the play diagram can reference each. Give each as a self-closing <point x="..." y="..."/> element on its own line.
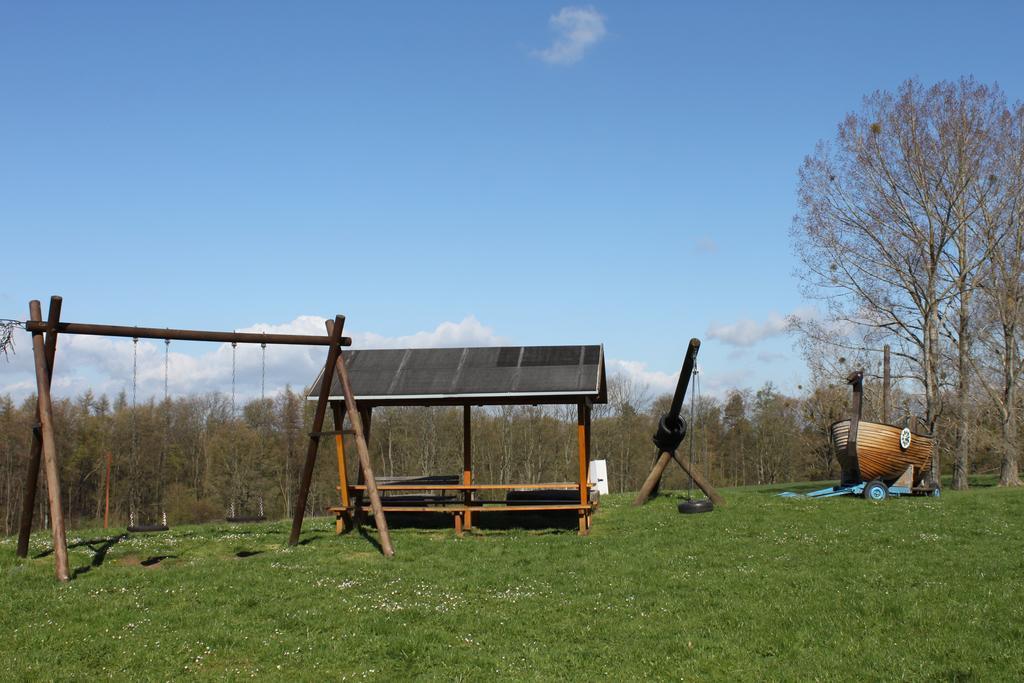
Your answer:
<point x="544" y="497"/>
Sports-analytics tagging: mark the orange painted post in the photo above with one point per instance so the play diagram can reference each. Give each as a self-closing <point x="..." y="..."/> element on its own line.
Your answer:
<point x="467" y="467"/>
<point x="343" y="522"/>
<point x="106" y="495"/>
<point x="586" y="431"/>
<point x="581" y="441"/>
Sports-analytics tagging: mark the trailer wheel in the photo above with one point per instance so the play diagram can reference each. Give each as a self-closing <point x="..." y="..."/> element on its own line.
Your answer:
<point x="876" y="491"/>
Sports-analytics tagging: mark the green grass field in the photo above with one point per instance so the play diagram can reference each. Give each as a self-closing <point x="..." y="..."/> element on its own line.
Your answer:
<point x="765" y="589"/>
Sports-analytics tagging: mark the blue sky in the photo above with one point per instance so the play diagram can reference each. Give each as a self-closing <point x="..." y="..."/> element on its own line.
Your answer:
<point x="530" y="172"/>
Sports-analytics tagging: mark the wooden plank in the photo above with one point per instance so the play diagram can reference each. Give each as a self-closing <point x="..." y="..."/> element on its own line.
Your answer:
<point x="49" y="447"/>
<point x="28" y="501"/>
<point x="190" y="335"/>
<point x="496" y="507"/>
<point x="333" y="353"/>
<point x="470" y="487"/>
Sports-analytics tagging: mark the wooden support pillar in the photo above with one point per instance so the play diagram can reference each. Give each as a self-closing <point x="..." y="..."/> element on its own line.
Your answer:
<point x="344" y="521"/>
<point x="366" y="414"/>
<point x="886" y="384"/>
<point x="581" y="448"/>
<point x="856" y="407"/>
<point x="467" y="466"/>
<point x="49" y="447"/>
<point x="106" y="493"/>
<point x="333" y="353"/>
<point x="586" y="432"/>
<point x="28" y="501"/>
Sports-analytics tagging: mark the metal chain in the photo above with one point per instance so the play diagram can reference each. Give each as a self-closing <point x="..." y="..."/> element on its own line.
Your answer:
<point x="703" y="437"/>
<point x="693" y="438"/>
<point x="135" y="430"/>
<point x="167" y="354"/>
<point x="263" y="372"/>
<point x="234" y="347"/>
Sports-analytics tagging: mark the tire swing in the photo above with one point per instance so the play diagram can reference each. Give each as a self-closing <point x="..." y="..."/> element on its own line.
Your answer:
<point x="691" y="506"/>
<point x="135" y="525"/>
<point x="235" y="516"/>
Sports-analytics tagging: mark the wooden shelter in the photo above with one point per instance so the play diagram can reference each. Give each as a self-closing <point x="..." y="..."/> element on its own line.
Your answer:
<point x="467" y="377"/>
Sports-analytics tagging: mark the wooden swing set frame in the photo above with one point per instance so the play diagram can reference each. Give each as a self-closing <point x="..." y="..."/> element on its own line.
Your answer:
<point x="44" y="449"/>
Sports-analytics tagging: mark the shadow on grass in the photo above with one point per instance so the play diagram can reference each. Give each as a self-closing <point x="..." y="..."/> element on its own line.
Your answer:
<point x="104" y="544"/>
<point x="555" y="522"/>
<point x="248" y="553"/>
<point x="99" y="548"/>
<point x="156" y="559"/>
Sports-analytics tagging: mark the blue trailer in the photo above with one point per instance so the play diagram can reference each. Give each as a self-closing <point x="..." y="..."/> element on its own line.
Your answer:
<point x="876" y="490"/>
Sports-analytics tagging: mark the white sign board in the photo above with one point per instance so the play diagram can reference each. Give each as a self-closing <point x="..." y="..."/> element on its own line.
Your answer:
<point x="598" y="476"/>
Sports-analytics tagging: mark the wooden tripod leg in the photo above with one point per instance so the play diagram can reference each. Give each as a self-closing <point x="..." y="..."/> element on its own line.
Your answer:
<point x="28" y="501"/>
<point x="364" y="459"/>
<point x="713" y="495"/>
<point x="653" y="478"/>
<point x="50" y="465"/>
<point x="334" y="331"/>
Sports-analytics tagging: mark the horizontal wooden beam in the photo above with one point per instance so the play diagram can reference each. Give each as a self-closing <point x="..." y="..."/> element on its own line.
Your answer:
<point x="186" y="335"/>
<point x="495" y="506"/>
<point x="468" y="487"/>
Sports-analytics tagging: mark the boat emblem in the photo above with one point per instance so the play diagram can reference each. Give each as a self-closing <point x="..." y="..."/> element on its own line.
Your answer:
<point x="905" y="438"/>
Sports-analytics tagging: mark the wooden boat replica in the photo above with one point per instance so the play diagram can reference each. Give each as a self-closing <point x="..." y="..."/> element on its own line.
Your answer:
<point x="870" y="451"/>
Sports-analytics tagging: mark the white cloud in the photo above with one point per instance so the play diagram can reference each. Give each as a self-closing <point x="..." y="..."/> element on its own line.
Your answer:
<point x="714" y="384"/>
<point x="104" y="364"/>
<point x="747" y="332"/>
<point x="637" y="372"/>
<point x="706" y="245"/>
<point x="578" y="29"/>
<point x="469" y="332"/>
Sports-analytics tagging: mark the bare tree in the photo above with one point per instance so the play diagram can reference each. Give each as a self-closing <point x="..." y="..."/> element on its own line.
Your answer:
<point x="883" y="209"/>
<point x="1002" y="296"/>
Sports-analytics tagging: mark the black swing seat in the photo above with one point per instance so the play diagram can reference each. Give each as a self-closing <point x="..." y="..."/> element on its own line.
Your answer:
<point x="147" y="528"/>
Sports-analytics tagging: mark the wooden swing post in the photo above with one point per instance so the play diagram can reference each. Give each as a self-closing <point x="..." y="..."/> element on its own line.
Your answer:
<point x="44" y="451"/>
<point x="365" y="466"/>
<point x="28" y="501"/>
<point x="49" y="448"/>
<point x="333" y="352"/>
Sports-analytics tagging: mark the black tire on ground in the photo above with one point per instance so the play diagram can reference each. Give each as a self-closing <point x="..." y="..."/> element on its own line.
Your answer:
<point x="876" y="491"/>
<point x="690" y="507"/>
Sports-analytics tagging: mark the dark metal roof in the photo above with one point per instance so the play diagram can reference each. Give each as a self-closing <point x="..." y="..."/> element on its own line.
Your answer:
<point x="495" y="375"/>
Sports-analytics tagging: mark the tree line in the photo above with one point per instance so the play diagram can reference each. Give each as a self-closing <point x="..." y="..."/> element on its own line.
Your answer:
<point x="194" y="459"/>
